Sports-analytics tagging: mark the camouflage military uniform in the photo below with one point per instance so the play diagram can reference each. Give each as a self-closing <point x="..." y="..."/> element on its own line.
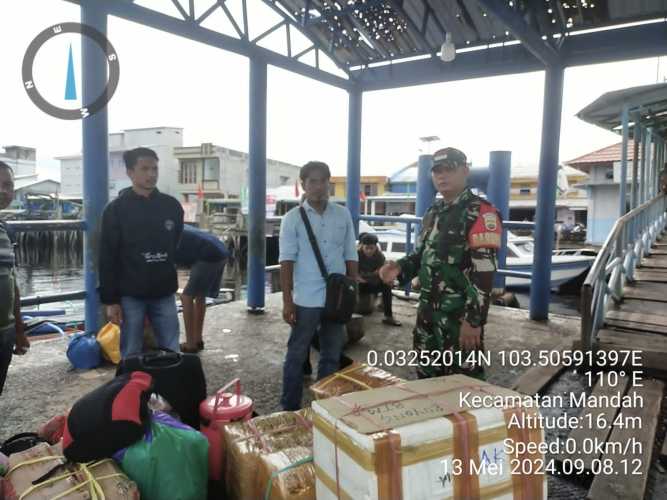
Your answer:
<point x="455" y="260"/>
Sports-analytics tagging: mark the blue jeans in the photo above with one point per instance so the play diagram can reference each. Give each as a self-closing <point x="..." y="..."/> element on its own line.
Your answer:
<point x="331" y="336"/>
<point x="163" y="316"/>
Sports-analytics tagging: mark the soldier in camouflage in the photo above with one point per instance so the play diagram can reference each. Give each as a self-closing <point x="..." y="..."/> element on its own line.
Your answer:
<point x="455" y="260"/>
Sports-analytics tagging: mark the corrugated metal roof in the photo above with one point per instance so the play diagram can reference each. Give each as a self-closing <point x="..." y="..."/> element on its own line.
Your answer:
<point x="359" y="32"/>
<point x="31" y="182"/>
<point x="649" y="100"/>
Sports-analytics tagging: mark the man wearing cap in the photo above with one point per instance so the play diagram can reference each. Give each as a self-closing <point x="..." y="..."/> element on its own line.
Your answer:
<point x="455" y="260"/>
<point x="371" y="260"/>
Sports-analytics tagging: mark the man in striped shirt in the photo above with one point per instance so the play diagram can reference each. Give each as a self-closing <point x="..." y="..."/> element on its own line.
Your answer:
<point x="12" y="336"/>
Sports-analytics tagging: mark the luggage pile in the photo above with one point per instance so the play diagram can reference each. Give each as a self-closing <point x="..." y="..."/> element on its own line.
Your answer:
<point x="152" y="433"/>
<point x="133" y="437"/>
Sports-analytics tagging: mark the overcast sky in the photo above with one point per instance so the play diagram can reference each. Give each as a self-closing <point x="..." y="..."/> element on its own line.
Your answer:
<point x="166" y="80"/>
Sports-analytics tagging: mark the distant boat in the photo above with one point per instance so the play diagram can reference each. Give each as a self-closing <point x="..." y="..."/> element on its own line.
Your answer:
<point x="566" y="265"/>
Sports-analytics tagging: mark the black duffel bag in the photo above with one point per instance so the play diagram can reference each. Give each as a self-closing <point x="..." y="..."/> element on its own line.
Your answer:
<point x="341" y="290"/>
<point x="177" y="377"/>
<point x="108" y="419"/>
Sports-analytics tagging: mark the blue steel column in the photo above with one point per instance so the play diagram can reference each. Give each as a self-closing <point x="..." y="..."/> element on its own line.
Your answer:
<point x="540" y="287"/>
<point x="634" y="187"/>
<point x="649" y="164"/>
<point x="642" y="175"/>
<point x="95" y="130"/>
<point x="257" y="186"/>
<point x="622" y="203"/>
<point x="654" y="165"/>
<point x="425" y="187"/>
<point x="354" y="156"/>
<point x="498" y="192"/>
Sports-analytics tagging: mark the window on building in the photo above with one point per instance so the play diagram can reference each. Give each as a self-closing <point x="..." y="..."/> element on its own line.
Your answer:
<point x="370" y="189"/>
<point x="188" y="172"/>
<point x="609" y="174"/>
<point x="211" y="169"/>
<point x="284" y="179"/>
<point x="524" y="190"/>
<point x="332" y="189"/>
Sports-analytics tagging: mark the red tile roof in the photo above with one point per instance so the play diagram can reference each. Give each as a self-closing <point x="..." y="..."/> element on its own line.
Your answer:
<point x="610" y="154"/>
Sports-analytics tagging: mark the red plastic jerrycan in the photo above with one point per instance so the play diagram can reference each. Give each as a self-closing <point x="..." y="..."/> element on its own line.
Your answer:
<point x="216" y="411"/>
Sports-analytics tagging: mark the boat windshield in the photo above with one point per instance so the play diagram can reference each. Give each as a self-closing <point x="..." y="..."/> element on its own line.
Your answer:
<point x="525" y="246"/>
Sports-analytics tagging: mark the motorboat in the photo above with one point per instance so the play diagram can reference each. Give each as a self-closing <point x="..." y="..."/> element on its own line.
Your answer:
<point x="566" y="264"/>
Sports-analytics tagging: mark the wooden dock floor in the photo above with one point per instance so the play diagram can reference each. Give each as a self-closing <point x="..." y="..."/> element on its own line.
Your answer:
<point x="639" y="323"/>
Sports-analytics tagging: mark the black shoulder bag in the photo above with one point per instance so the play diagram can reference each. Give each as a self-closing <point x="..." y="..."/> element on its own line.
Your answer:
<point x="341" y="291"/>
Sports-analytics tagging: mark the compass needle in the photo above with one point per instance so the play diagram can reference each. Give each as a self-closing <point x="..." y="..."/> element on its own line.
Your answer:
<point x="70" y="84"/>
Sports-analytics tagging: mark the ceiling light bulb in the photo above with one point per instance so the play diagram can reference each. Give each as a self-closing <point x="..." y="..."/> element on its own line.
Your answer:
<point x="448" y="49"/>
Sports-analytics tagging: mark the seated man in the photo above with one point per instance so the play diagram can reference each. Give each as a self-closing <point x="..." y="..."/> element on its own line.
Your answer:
<point x="371" y="260"/>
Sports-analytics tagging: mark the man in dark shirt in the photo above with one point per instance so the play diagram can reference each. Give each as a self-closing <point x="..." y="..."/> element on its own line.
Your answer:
<point x="12" y="336"/>
<point x="371" y="260"/>
<point x="205" y="255"/>
<point x="140" y="232"/>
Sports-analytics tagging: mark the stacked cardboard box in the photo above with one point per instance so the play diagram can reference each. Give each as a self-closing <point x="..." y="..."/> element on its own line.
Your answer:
<point x="423" y="440"/>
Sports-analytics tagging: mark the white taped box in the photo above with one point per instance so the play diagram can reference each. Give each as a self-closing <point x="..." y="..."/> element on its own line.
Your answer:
<point x="424" y="440"/>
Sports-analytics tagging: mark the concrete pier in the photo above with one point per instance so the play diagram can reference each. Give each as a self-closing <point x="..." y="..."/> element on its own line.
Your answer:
<point x="252" y="347"/>
<point x="42" y="383"/>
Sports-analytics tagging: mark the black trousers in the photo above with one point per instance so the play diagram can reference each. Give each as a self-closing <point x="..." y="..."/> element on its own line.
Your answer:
<point x="385" y="290"/>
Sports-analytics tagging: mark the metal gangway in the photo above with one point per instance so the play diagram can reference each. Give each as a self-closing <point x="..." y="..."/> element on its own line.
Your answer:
<point x="624" y="296"/>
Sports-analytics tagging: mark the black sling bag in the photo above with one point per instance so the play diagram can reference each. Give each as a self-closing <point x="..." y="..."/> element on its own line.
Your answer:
<point x="341" y="291"/>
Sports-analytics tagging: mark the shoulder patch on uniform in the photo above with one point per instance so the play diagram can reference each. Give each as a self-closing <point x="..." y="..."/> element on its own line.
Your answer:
<point x="487" y="230"/>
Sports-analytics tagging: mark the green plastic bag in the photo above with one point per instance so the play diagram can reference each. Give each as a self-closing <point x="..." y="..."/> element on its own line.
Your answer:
<point x="170" y="462"/>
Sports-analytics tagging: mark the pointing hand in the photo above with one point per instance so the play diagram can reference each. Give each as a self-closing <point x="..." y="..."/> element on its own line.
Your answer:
<point x="389" y="272"/>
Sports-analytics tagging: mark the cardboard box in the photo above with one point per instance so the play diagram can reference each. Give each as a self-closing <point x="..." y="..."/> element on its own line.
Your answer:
<point x="29" y="465"/>
<point x="420" y="440"/>
<point x="356" y="377"/>
<point x="287" y="475"/>
<point x="246" y="442"/>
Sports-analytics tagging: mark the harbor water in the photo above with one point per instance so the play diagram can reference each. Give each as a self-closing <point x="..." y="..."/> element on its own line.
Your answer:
<point x="63" y="272"/>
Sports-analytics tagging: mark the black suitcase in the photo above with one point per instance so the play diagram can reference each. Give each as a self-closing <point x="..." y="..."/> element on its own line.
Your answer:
<point x="177" y="377"/>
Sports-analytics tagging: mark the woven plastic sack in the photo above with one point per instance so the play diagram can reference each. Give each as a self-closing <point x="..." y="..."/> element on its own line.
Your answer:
<point x="170" y="462"/>
<point x="246" y="442"/>
<point x="109" y="339"/>
<point x="356" y="377"/>
<point x="287" y="475"/>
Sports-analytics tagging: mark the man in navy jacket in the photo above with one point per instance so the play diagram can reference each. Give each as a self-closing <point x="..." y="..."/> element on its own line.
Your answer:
<point x="140" y="232"/>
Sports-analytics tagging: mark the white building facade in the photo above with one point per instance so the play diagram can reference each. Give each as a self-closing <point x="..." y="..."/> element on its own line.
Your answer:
<point x="162" y="140"/>
<point x="604" y="189"/>
<point x="219" y="172"/>
<point x="22" y="159"/>
<point x="215" y="171"/>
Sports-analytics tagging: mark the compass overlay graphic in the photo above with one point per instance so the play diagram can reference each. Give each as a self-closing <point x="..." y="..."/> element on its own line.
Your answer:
<point x="87" y="109"/>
